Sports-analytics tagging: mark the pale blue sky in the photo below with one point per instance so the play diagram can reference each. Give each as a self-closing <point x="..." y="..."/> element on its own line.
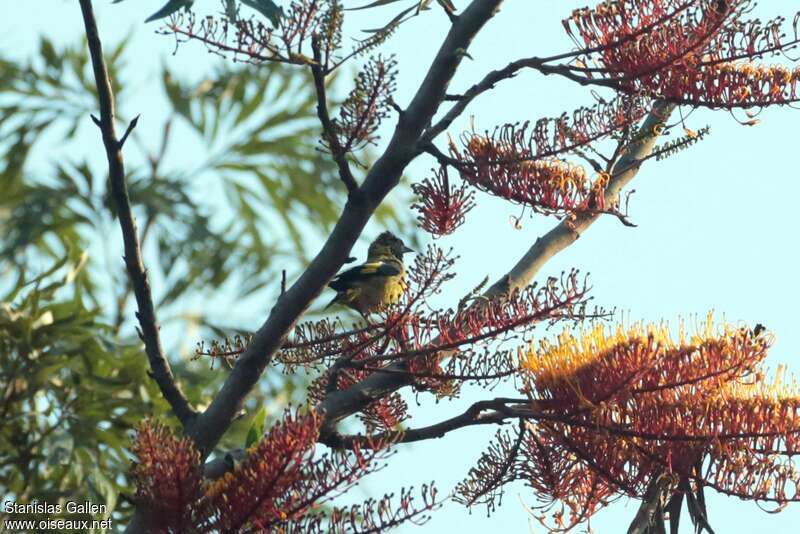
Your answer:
<point x="715" y="223"/>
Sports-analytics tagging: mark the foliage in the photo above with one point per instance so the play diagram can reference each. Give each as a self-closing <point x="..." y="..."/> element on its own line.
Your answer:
<point x="599" y="415"/>
<point x="70" y="389"/>
<point x="74" y="377"/>
<point x="260" y="138"/>
<point x="267" y="8"/>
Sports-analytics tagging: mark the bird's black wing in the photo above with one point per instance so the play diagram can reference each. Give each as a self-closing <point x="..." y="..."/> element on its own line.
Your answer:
<point x="350" y="277"/>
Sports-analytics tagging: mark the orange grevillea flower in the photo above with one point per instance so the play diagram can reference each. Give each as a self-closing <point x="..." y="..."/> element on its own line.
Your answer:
<point x="614" y="408"/>
<point x="601" y="365"/>
<point x="258" y="491"/>
<point x="511" y="172"/>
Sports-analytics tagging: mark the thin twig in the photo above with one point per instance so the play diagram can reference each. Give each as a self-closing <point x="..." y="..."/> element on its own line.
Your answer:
<point x="498" y="411"/>
<point x="328" y="130"/>
<point x="160" y="368"/>
<point x="128" y="131"/>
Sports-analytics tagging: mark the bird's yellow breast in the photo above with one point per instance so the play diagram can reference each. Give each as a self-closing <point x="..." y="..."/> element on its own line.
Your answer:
<point x="380" y="292"/>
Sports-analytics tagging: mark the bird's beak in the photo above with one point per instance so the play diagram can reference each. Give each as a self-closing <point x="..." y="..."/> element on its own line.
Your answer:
<point x="408" y="249"/>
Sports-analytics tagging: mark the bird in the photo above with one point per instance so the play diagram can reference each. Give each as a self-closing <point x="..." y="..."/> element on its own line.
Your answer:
<point x="376" y="283"/>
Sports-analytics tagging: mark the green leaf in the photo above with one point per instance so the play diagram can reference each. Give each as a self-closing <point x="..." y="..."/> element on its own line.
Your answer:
<point x="256" y="430"/>
<point x="230" y="9"/>
<point x="397" y="20"/>
<point x="177" y="96"/>
<point x="268" y="9"/>
<point x="49" y="53"/>
<point x="373" y="4"/>
<point x="169" y="8"/>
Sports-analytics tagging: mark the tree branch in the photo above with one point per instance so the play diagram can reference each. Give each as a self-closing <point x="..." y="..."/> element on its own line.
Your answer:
<point x="462" y="101"/>
<point x="216" y="468"/>
<point x="160" y="368"/>
<point x="328" y="130"/>
<point x="651" y="510"/>
<point x="474" y="415"/>
<point x="341" y="404"/>
<point x="567" y="232"/>
<point x="385" y="174"/>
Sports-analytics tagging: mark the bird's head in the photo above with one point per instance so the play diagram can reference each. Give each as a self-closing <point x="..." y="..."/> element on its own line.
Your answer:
<point x="388" y="243"/>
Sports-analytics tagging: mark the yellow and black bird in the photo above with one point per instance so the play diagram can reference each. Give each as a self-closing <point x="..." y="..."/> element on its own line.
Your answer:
<point x="378" y="282"/>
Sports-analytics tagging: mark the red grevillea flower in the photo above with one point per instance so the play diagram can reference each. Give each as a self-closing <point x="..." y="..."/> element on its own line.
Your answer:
<point x="728" y="85"/>
<point x="552" y="136"/>
<point x="367" y="105"/>
<point x="692" y="52"/>
<point x="303" y="19"/>
<point x="167" y="474"/>
<point x="250" y="40"/>
<point x="253" y="494"/>
<point x="278" y="487"/>
<point x="442" y="207"/>
<point x="385" y="414"/>
<point x="633" y="37"/>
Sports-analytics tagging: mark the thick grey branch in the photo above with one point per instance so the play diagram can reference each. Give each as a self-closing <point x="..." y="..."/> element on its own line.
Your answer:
<point x="567" y="232"/>
<point x="207" y="428"/>
<point x="160" y="368"/>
